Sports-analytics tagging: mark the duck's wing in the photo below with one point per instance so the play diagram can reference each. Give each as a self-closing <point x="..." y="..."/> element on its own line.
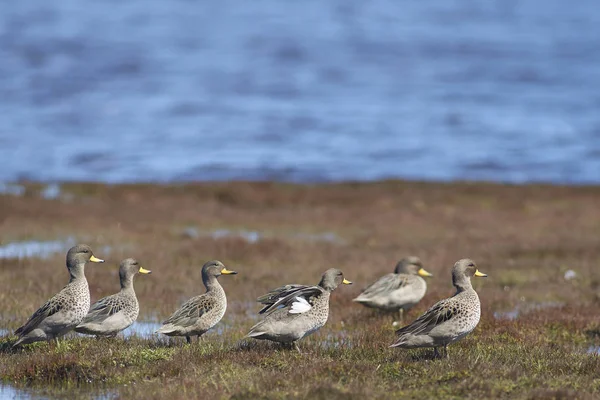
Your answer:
<point x="274" y="294"/>
<point x="51" y="307"/>
<point x="386" y="284"/>
<point x="191" y="310"/>
<point x="104" y="308"/>
<point x="293" y="296"/>
<point x="443" y="311"/>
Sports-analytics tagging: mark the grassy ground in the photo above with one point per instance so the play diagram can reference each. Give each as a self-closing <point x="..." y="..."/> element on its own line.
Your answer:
<point x="525" y="238"/>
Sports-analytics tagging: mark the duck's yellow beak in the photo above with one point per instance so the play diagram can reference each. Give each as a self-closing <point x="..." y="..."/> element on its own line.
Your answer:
<point x="480" y="274"/>
<point x="225" y="271"/>
<point x="346" y="282"/>
<point x="145" y="271"/>
<point x="93" y="258"/>
<point x="422" y="272"/>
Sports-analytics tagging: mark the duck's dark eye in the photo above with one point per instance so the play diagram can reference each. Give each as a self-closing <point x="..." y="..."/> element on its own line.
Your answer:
<point x="471" y="265"/>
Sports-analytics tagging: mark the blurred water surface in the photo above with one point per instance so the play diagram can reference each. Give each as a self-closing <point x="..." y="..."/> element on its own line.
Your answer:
<point x="318" y="90"/>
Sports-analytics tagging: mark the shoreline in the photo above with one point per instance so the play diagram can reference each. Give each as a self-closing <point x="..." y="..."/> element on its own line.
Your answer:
<point x="392" y="180"/>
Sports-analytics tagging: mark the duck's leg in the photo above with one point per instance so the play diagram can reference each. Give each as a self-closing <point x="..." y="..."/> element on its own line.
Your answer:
<point x="446" y="351"/>
<point x="400" y="321"/>
<point x="436" y="354"/>
<point x="297" y="348"/>
<point x="189" y="339"/>
<point x="288" y="345"/>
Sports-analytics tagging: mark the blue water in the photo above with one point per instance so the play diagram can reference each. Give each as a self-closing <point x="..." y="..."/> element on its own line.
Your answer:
<point x="38" y="393"/>
<point x="316" y="90"/>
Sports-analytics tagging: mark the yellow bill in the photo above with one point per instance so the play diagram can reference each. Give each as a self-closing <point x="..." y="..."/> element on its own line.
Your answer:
<point x="422" y="272"/>
<point x="226" y="271"/>
<point x="481" y="274"/>
<point x="346" y="282"/>
<point x="145" y="271"/>
<point x="93" y="258"/>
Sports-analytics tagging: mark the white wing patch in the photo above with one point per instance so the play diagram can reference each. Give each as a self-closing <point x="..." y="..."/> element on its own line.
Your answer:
<point x="300" y="306"/>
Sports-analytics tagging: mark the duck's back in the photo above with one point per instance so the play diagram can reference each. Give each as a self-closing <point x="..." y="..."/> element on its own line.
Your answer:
<point x="466" y="310"/>
<point x="285" y="325"/>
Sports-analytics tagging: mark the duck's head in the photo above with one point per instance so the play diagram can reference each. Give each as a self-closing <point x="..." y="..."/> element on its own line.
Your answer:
<point x="411" y="265"/>
<point x="129" y="267"/>
<point x="332" y="278"/>
<point x="81" y="255"/>
<point x="215" y="269"/>
<point x="462" y="272"/>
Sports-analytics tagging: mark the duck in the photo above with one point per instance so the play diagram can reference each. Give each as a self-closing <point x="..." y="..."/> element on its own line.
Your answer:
<point x="199" y="314"/>
<point x="112" y="314"/>
<point x="293" y="312"/>
<point x="398" y="291"/>
<point x="448" y="320"/>
<point x="66" y="309"/>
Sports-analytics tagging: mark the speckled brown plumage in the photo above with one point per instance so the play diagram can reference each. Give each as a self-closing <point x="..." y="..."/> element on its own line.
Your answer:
<point x="286" y="325"/>
<point x="199" y="314"/>
<point x="67" y="308"/>
<point x="448" y="320"/>
<point x="114" y="313"/>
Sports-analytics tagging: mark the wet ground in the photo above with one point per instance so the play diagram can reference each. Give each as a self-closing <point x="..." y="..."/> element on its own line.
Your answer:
<point x="539" y="302"/>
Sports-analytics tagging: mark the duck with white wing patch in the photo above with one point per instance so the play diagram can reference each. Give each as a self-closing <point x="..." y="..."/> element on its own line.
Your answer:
<point x="295" y="311"/>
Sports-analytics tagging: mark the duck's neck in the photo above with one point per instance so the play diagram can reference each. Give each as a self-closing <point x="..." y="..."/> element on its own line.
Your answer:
<point x="327" y="290"/>
<point x="211" y="283"/>
<point x="323" y="298"/>
<point x="127" y="284"/>
<point x="76" y="271"/>
<point x="463" y="286"/>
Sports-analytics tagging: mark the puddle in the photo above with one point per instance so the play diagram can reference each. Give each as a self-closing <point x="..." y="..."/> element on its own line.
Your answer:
<point x="248" y="308"/>
<point x="54" y="191"/>
<point x="525" y="308"/>
<point x="255" y="236"/>
<point x="510" y="315"/>
<point x="594" y="350"/>
<point x="319" y="237"/>
<point x="35" y="248"/>
<point x="146" y="329"/>
<point x="142" y="329"/>
<point x="191" y="233"/>
<point x="248" y="236"/>
<point x="43" y="249"/>
<point x="52" y="392"/>
<point x="12" y="189"/>
<point x="51" y="191"/>
<point x="219" y="329"/>
<point x="334" y="341"/>
<point x="10" y="392"/>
